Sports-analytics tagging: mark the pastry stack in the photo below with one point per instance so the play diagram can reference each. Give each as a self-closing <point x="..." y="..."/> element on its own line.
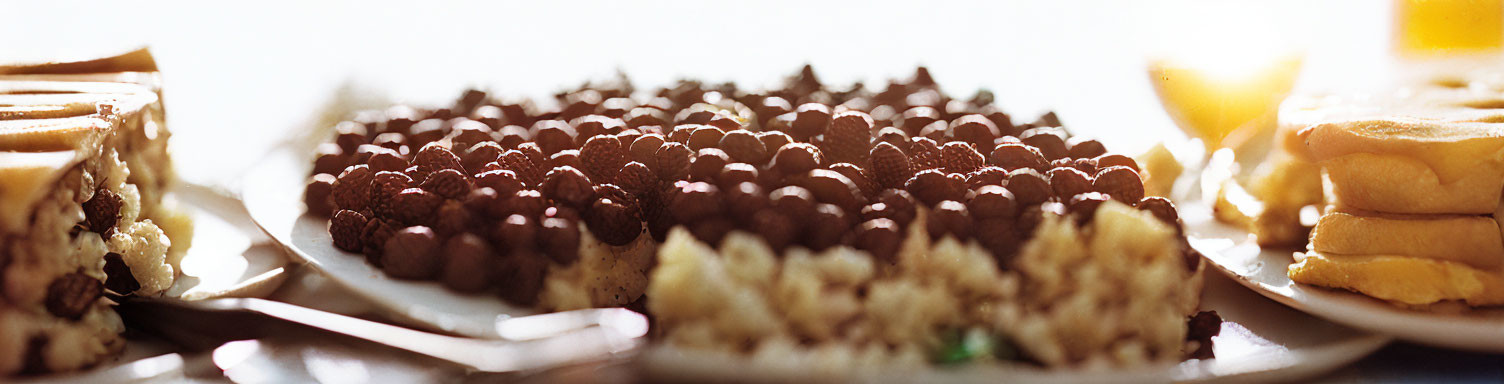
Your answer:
<point x="1412" y="201"/>
<point x="83" y="172"/>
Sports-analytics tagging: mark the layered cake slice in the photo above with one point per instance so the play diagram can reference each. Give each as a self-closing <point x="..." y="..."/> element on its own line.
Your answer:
<point x="1412" y="190"/>
<point x="83" y="171"/>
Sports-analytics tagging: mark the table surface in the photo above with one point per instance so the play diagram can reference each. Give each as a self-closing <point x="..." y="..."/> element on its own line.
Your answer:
<point x="243" y="77"/>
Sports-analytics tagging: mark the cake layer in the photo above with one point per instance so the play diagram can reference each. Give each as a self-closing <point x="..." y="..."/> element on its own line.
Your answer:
<point x="1472" y="240"/>
<point x="1401" y="279"/>
<point x="1411" y="165"/>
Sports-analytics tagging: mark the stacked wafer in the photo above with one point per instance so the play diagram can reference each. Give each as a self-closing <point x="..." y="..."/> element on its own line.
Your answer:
<point x="1412" y="190"/>
<point x="83" y="170"/>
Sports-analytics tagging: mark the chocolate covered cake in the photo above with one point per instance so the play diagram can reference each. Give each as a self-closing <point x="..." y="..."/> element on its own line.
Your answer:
<point x="806" y="225"/>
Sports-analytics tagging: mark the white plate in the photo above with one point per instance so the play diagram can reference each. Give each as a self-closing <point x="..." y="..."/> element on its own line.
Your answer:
<point x="1235" y="253"/>
<point x="273" y="193"/>
<point x="1261" y="340"/>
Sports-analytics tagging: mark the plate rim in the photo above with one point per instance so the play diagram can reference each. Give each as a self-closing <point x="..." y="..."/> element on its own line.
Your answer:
<point x="1345" y="307"/>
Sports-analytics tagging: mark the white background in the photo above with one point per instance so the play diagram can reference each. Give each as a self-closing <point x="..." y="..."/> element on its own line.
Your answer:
<point x="243" y="75"/>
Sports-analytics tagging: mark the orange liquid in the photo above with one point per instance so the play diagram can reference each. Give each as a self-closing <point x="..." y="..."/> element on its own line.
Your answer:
<point x="1223" y="107"/>
<point x="1449" y="26"/>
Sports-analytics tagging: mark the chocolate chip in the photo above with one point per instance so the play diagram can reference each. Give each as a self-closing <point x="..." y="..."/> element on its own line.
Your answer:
<point x="1028" y="186"/>
<point x="1012" y="156"/>
<point x="329" y="158"/>
<point x="527" y="202"/>
<point x="1201" y="328"/>
<point x="467" y="263"/>
<point x="1067" y="182"/>
<point x="415" y="206"/>
<point x="890" y="166"/>
<point x="412" y="253"/>
<point x="559" y="239"/>
<point x="798" y="158"/>
<point x="504" y="182"/>
<point x="118" y="276"/>
<point x="736" y="173"/>
<point x="387" y="160"/>
<point x="932" y="186"/>
<point x="479" y="155"/>
<point x="882" y="238"/>
<point x="521" y="274"/>
<point x="1083" y="207"/>
<point x="1121" y="183"/>
<point x="102" y="211"/>
<point x="674" y="161"/>
<point x="1112" y="160"/>
<point x="453" y="218"/>
<point x="826" y="228"/>
<point x="603" y="156"/>
<point x="71" y="295"/>
<point x="993" y="202"/>
<point x="985" y="176"/>
<point x="1082" y="148"/>
<point x="975" y="129"/>
<point x="810" y="119"/>
<point x="373" y="239"/>
<point x="960" y="157"/>
<point x="317" y="195"/>
<point x="744" y="146"/>
<point x="949" y="218"/>
<point x="568" y="157"/>
<point x="447" y="183"/>
<point x="708" y="164"/>
<point x="705" y="136"/>
<point x="695" y="201"/>
<point x="774" y="140"/>
<point x="569" y="186"/>
<point x="613" y="222"/>
<point x="345" y="228"/>
<point x="1049" y="141"/>
<point x="1162" y="208"/>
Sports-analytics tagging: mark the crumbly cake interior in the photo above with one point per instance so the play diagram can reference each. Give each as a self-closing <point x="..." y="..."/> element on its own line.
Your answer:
<point x="99" y="224"/>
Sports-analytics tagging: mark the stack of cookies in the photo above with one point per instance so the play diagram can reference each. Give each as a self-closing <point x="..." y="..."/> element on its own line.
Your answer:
<point x="1413" y="197"/>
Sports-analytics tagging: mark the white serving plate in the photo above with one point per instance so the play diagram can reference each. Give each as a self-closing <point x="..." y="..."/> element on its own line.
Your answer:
<point x="1235" y="253"/>
<point x="1261" y="340"/>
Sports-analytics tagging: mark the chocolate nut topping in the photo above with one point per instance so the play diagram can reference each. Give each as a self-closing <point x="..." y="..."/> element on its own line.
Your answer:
<point x="1028" y="186"/>
<point x="1049" y="141"/>
<point x="559" y="239"/>
<point x="603" y="157"/>
<point x="528" y="172"/>
<point x="810" y="119"/>
<point x="712" y="230"/>
<point x="415" y="206"/>
<point x="743" y="146"/>
<point x="826" y="227"/>
<point x="798" y="158"/>
<point x="923" y="153"/>
<point x="568" y="157"/>
<point x="447" y="183"/>
<point x="569" y="186"/>
<point x="504" y="182"/>
<point x="1082" y="148"/>
<point x="708" y="164"/>
<point x="118" y="277"/>
<point x="453" y="218"/>
<point x="882" y="238"/>
<point x="1162" y="208"/>
<point x="890" y="165"/>
<point x="345" y="228"/>
<point x="673" y="162"/>
<point x="960" y="157"/>
<point x="637" y="179"/>
<point x="388" y="160"/>
<point x="613" y="222"/>
<point x="645" y="149"/>
<point x="1011" y="156"/>
<point x="932" y="186"/>
<point x="988" y="175"/>
<point x="993" y="202"/>
<point x="71" y="295"/>
<point x="467" y="263"/>
<point x="412" y="253"/>
<point x="527" y="202"/>
<point x="329" y="158"/>
<point x="774" y="140"/>
<point x="859" y="177"/>
<point x="949" y="218"/>
<point x="694" y="201"/>
<point x="1067" y="182"/>
<point x="705" y="136"/>
<point x="974" y="129"/>
<point x="373" y="239"/>
<point x="351" y="189"/>
<point x="1121" y="183"/>
<point x="793" y="200"/>
<point x="1083" y="207"/>
<point x="316" y="196"/>
<point x="1113" y="160"/>
<point x="736" y="173"/>
<point x="435" y="157"/>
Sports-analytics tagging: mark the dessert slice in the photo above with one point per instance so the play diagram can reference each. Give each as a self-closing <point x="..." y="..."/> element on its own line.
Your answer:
<point x="83" y="171"/>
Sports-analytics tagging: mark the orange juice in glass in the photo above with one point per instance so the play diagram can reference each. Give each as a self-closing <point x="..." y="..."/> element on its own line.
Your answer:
<point x="1224" y="100"/>
<point x="1431" y="27"/>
